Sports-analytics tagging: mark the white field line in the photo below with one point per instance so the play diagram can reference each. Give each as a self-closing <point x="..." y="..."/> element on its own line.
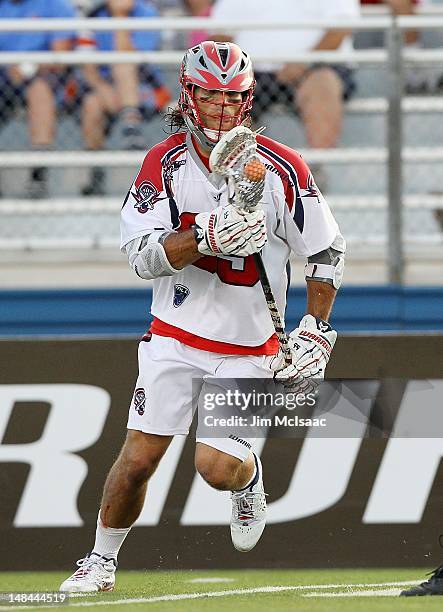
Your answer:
<point x="210" y="580"/>
<point x="185" y="596"/>
<point x="367" y="593"/>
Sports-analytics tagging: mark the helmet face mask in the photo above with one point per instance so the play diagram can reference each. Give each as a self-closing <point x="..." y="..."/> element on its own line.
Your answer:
<point x="215" y="67"/>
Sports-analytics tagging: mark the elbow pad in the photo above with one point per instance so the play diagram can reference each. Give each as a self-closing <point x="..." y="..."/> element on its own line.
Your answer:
<point x="147" y="256"/>
<point x="328" y="265"/>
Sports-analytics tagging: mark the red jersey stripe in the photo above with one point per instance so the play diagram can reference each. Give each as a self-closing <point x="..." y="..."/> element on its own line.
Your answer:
<point x="270" y="347"/>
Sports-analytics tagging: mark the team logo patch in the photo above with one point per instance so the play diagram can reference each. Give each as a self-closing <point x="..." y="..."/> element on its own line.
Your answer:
<point x="180" y="294"/>
<point x="145" y="196"/>
<point x="140" y="401"/>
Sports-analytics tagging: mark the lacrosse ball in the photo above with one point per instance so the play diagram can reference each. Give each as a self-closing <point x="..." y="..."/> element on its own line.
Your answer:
<point x="254" y="171"/>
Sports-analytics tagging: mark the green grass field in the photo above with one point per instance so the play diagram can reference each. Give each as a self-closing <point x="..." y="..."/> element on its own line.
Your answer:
<point x="251" y="590"/>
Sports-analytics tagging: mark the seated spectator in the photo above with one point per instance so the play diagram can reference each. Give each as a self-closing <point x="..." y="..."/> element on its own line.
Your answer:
<point x="131" y="93"/>
<point x="173" y="39"/>
<point x="198" y="8"/>
<point x="315" y="91"/>
<point x="416" y="80"/>
<point x="32" y="85"/>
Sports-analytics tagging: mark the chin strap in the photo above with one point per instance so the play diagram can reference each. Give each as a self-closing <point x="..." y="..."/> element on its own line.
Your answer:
<point x="203" y="141"/>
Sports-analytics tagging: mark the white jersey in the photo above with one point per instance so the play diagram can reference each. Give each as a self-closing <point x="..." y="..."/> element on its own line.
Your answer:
<point x="220" y="298"/>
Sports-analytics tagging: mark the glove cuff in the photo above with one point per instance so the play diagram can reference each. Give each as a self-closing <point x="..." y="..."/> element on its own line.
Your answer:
<point x="198" y="233"/>
<point x="311" y="322"/>
<point x="315" y="329"/>
<point x="323" y="326"/>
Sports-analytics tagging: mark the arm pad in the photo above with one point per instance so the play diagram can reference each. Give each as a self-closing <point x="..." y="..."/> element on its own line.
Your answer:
<point x="147" y="256"/>
<point x="328" y="265"/>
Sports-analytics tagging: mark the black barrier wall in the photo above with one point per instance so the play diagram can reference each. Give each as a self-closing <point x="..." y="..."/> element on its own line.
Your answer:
<point x="335" y="502"/>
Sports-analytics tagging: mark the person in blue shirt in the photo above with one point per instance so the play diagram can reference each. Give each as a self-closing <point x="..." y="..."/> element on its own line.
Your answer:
<point x="125" y="91"/>
<point x="30" y="84"/>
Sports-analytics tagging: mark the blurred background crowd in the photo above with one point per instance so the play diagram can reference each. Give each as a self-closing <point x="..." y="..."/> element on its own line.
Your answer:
<point x="320" y="106"/>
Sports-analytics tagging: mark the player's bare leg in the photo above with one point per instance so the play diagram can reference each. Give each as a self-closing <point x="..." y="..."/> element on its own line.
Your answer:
<point x="222" y="471"/>
<point x="244" y="479"/>
<point x="125" y="487"/>
<point x="123" y="497"/>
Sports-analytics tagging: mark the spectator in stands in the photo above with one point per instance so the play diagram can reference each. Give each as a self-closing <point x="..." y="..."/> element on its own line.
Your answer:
<point x="30" y="84"/>
<point x="399" y="7"/>
<point x="128" y="92"/>
<point x="416" y="79"/>
<point x="316" y="91"/>
<point x="198" y="8"/>
<point x="179" y="8"/>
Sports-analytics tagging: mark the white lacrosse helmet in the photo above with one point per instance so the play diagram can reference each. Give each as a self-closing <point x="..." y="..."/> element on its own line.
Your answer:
<point x="222" y="66"/>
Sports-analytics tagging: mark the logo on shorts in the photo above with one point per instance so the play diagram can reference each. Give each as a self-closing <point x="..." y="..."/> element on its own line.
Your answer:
<point x="240" y="441"/>
<point x="180" y="294"/>
<point x="140" y="401"/>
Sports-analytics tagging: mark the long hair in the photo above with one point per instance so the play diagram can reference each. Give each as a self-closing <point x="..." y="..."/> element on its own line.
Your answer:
<point x="174" y="120"/>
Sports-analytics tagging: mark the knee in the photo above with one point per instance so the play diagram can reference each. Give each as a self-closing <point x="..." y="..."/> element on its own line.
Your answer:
<point x="137" y="471"/>
<point x="218" y="472"/>
<point x="138" y="461"/>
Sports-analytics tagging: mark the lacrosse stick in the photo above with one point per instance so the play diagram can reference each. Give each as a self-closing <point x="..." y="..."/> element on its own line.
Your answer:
<point x="235" y="157"/>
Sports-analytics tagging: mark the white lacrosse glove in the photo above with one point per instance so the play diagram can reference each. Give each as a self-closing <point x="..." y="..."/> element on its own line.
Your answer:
<point x="228" y="231"/>
<point x="311" y="344"/>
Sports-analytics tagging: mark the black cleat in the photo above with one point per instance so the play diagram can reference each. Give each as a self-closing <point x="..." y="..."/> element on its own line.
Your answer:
<point x="433" y="586"/>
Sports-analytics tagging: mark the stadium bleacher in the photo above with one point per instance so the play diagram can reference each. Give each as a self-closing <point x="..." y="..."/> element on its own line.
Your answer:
<point x="71" y="223"/>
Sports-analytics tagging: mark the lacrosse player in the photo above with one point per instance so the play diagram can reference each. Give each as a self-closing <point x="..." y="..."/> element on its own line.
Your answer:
<point x="197" y="235"/>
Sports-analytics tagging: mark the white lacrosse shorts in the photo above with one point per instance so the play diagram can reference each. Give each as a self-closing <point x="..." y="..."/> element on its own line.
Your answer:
<point x="165" y="396"/>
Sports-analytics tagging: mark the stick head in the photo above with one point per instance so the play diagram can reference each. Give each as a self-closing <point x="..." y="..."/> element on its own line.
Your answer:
<point x="233" y="150"/>
<point x="235" y="157"/>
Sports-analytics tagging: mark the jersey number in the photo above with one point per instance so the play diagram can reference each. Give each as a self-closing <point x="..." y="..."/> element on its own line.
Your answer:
<point x="246" y="277"/>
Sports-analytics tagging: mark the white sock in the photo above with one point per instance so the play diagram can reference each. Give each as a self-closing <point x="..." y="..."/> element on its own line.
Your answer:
<point x="109" y="540"/>
<point x="254" y="474"/>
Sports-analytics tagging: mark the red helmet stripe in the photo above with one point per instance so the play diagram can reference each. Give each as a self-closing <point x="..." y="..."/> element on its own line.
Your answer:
<point x="213" y="55"/>
<point x="234" y="56"/>
<point x="210" y="81"/>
